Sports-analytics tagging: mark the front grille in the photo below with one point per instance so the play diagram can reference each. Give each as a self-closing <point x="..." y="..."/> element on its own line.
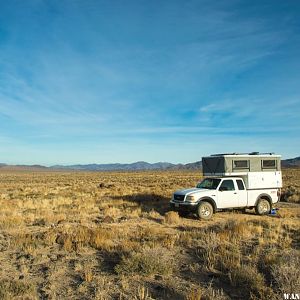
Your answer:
<point x="178" y="197"/>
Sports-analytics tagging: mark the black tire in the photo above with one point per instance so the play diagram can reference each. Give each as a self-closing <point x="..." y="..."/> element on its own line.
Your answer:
<point x="263" y="207"/>
<point x="183" y="214"/>
<point x="205" y="210"/>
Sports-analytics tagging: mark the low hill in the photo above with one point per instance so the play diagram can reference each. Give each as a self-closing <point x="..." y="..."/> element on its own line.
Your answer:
<point x="5" y="167"/>
<point x="140" y="165"/>
<point x="291" y="163"/>
<point x="136" y="166"/>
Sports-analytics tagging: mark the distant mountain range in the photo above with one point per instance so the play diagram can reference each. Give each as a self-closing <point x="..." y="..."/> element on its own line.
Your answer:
<point x="136" y="166"/>
<point x="291" y="162"/>
<point x="140" y="165"/>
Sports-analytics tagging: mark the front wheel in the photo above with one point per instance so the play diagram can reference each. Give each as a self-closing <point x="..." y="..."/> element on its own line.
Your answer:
<point x="262" y="207"/>
<point x="205" y="210"/>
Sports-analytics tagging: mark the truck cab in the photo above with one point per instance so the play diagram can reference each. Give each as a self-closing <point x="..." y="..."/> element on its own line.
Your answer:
<point x="248" y="189"/>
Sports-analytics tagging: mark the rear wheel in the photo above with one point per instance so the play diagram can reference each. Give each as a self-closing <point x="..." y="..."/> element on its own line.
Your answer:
<point x="205" y="210"/>
<point x="262" y="207"/>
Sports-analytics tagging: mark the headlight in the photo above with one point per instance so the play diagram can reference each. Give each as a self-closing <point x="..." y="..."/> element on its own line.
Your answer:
<point x="190" y="198"/>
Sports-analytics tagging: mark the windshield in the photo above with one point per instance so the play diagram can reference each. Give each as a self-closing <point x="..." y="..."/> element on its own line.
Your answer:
<point x="209" y="183"/>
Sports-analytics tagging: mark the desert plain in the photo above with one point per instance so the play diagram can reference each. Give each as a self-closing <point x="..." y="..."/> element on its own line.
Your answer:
<point x="111" y="235"/>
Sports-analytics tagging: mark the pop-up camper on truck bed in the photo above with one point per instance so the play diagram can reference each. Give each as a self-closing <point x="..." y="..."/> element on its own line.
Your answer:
<point x="233" y="180"/>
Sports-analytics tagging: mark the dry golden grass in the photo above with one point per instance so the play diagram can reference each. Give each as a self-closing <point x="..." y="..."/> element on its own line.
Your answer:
<point x="111" y="235"/>
<point x="172" y="217"/>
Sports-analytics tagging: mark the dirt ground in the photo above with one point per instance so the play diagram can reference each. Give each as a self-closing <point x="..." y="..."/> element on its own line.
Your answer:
<point x="110" y="235"/>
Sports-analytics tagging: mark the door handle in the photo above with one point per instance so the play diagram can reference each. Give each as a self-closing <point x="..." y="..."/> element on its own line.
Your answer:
<point x="235" y="193"/>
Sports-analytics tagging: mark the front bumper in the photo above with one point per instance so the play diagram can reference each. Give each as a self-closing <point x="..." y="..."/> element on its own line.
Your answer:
<point x="183" y="206"/>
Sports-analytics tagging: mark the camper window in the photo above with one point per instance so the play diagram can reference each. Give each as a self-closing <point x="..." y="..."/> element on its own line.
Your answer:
<point x="269" y="164"/>
<point x="241" y="164"/>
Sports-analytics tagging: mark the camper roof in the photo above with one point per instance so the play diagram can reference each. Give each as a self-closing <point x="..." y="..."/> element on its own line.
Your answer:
<point x="255" y="154"/>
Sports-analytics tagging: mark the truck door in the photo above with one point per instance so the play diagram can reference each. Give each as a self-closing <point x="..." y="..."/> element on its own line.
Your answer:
<point x="227" y="194"/>
<point x="242" y="193"/>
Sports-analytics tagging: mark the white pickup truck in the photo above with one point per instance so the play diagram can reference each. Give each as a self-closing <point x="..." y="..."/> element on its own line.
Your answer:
<point x="239" y="186"/>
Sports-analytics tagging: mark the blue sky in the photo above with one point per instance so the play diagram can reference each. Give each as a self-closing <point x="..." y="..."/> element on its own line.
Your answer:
<point x="85" y="81"/>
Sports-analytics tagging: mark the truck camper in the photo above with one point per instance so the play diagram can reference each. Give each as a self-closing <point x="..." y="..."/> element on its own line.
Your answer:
<point x="233" y="180"/>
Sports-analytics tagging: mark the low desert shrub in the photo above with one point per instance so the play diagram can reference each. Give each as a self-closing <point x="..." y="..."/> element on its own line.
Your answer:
<point x="147" y="262"/>
<point x="229" y="256"/>
<point x="172" y="217"/>
<point x="11" y="289"/>
<point x="286" y="272"/>
<point x="211" y="293"/>
<point x="194" y="294"/>
<point x="112" y="212"/>
<point x="248" y="278"/>
<point x="142" y="293"/>
<point x="206" y="293"/>
<point x="207" y="249"/>
<point x="217" y="255"/>
<point x="290" y="194"/>
<point x="76" y="238"/>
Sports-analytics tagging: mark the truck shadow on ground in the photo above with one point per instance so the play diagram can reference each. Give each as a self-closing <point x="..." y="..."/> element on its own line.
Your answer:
<point x="148" y="202"/>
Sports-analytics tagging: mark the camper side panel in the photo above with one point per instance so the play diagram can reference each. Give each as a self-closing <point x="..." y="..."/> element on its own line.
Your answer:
<point x="240" y="164"/>
<point x="262" y="180"/>
<point x="235" y="164"/>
